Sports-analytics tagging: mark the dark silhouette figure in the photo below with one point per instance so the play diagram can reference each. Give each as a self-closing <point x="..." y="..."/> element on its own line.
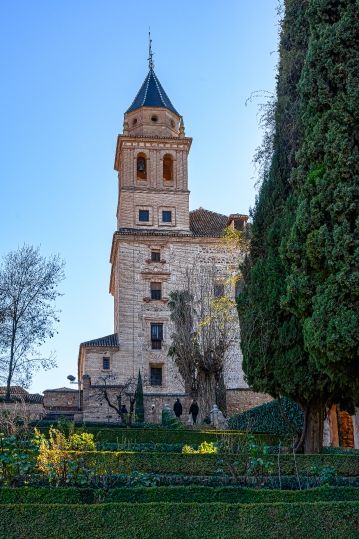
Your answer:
<point x="177" y="408"/>
<point x="194" y="411"/>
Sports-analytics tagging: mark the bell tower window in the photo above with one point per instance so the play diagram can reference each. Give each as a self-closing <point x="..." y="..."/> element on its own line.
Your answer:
<point x="143" y="215"/>
<point x="141" y="167"/>
<point x="167" y="168"/>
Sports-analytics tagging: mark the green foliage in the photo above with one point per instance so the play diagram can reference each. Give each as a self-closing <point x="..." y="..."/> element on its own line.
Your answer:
<point x="207" y="464"/>
<point x="319" y="520"/>
<point x="267" y="418"/>
<point x="274" y="358"/>
<point x="189" y="494"/>
<point x="321" y="253"/>
<point x="148" y="447"/>
<point x="170" y="422"/>
<point x="299" y="310"/>
<point x="139" y="405"/>
<point x="18" y="457"/>
<point x="163" y="435"/>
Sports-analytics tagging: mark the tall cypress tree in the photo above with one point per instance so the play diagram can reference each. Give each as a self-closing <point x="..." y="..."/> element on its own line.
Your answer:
<point x="139" y="405"/>
<point x="322" y="251"/>
<point x="274" y="357"/>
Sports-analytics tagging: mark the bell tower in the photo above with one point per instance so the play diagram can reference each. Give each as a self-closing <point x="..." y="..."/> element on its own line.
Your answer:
<point x="151" y="160"/>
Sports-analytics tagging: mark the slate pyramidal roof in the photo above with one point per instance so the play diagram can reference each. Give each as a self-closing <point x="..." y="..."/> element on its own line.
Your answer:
<point x="152" y="94"/>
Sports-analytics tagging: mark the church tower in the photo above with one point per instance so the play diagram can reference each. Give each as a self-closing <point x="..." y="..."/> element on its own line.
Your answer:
<point x="151" y="160"/>
<point x="156" y="240"/>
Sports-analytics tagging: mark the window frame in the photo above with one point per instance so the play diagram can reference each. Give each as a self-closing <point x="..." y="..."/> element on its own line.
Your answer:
<point x="154" y="257"/>
<point x="166" y="212"/>
<point x="156" y="337"/>
<point x="108" y="361"/>
<point x="144" y="220"/>
<point x="156" y="380"/>
<point x="156" y="291"/>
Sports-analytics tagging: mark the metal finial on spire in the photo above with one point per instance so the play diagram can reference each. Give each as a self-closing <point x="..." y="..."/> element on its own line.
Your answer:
<point x="151" y="63"/>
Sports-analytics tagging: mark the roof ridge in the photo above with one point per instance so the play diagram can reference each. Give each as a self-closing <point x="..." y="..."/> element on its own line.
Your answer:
<point x="210" y="211"/>
<point x="148" y="82"/>
<point x="136" y="96"/>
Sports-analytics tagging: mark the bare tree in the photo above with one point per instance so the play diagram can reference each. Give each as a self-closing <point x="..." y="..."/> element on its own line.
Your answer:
<point x="28" y="289"/>
<point x="205" y="328"/>
<point x="113" y="394"/>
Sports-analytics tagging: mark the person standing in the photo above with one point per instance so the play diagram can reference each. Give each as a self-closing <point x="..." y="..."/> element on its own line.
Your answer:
<point x="194" y="411"/>
<point x="177" y="408"/>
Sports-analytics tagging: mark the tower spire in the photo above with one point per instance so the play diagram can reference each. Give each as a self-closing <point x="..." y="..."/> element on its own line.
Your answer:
<point x="151" y="63"/>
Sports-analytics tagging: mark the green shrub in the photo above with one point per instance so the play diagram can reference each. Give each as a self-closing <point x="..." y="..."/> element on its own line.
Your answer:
<point x="149" y="447"/>
<point x="267" y="418"/>
<point x="321" y="520"/>
<point x="170" y="422"/>
<point x="182" y="494"/>
<point x="161" y="435"/>
<point x="208" y="464"/>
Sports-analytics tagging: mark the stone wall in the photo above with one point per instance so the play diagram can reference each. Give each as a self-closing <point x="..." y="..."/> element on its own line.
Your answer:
<point x="32" y="410"/>
<point x="240" y="400"/>
<point x="61" y="399"/>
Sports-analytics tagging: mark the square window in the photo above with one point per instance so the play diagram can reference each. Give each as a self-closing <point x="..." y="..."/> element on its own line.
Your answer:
<point x="156" y="376"/>
<point x="167" y="217"/>
<point x="219" y="290"/>
<point x="156" y="291"/>
<point x="156" y="256"/>
<point x="156" y="336"/>
<point x="106" y="363"/>
<point x="143" y="215"/>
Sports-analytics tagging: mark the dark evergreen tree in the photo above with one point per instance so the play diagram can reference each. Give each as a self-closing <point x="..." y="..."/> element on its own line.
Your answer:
<point x="299" y="307"/>
<point x="322" y="252"/>
<point x="274" y="358"/>
<point x="139" y="405"/>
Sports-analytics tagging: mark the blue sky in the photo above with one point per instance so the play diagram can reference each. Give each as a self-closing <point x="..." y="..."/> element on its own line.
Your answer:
<point x="69" y="71"/>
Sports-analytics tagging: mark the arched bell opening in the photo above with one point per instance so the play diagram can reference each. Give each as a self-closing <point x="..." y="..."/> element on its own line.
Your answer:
<point x="141" y="167"/>
<point x="167" y="168"/>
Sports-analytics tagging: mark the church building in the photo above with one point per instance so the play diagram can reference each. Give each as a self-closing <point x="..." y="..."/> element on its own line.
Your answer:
<point x="156" y="238"/>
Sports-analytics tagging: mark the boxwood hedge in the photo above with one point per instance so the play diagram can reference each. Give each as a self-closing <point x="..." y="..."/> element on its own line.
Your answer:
<point x="209" y="464"/>
<point x="187" y="494"/>
<point x="166" y="436"/>
<point x="267" y="418"/>
<point x="320" y="520"/>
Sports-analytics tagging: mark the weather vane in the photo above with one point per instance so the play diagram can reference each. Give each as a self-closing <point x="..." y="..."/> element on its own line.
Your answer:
<point x="151" y="63"/>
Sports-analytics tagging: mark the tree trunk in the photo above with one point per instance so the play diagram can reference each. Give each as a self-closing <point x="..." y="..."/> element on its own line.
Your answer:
<point x="207" y="385"/>
<point x="313" y="442"/>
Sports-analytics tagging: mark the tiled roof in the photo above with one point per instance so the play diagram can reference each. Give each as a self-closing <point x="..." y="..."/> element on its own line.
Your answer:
<point x="14" y="390"/>
<point x="34" y="397"/>
<point x="151" y="94"/>
<point x="110" y="340"/>
<point x="61" y="390"/>
<point x="23" y="397"/>
<point x="207" y="223"/>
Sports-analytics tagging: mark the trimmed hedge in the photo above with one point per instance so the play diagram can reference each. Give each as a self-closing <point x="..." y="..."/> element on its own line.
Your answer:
<point x="267" y="418"/>
<point x="208" y="464"/>
<point x="187" y="494"/>
<point x="321" y="520"/>
<point x="168" y="436"/>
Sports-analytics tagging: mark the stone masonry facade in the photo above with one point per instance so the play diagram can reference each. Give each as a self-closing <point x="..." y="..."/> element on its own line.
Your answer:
<point x="157" y="240"/>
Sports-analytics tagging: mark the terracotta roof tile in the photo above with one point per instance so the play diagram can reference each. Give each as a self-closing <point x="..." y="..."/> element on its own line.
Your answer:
<point x="14" y="390"/>
<point x="207" y="223"/>
<point x="109" y="340"/>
